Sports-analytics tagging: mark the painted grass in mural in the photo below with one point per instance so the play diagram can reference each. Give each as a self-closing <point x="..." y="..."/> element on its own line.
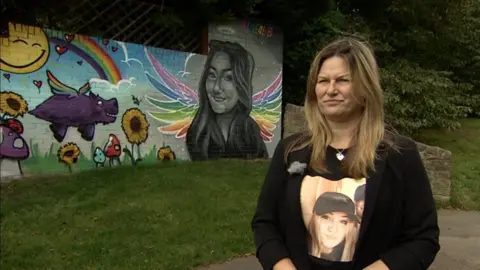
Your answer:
<point x="49" y="162"/>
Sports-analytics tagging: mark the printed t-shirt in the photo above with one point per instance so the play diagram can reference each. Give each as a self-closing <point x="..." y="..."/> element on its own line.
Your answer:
<point x="332" y="208"/>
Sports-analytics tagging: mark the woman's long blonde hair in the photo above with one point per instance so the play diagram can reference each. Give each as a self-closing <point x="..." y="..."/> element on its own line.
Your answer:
<point x="370" y="131"/>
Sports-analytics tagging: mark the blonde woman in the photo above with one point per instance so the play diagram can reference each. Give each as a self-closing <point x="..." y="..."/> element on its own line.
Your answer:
<point x="347" y="139"/>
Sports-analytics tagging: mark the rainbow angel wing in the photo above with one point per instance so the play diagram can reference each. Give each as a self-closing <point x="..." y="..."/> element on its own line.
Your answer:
<point x="180" y="103"/>
<point x="59" y="88"/>
<point x="267" y="108"/>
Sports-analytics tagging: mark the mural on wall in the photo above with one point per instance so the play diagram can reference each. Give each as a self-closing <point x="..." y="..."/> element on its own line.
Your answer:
<point x="13" y="147"/>
<point x="225" y="117"/>
<point x="166" y="153"/>
<point x="135" y="126"/>
<point x="80" y="108"/>
<point x="69" y="154"/>
<point x="71" y="102"/>
<point x="25" y="50"/>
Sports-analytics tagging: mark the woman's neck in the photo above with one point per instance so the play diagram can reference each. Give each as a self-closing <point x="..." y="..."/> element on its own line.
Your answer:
<point x="343" y="133"/>
<point x="223" y="121"/>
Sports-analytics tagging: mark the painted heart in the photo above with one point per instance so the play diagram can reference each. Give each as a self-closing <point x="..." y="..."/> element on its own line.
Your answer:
<point x="60" y="49"/>
<point x="7" y="76"/>
<point x="80" y="62"/>
<point x="38" y="84"/>
<point x="105" y="42"/>
<point x="69" y="38"/>
<point x="114" y="49"/>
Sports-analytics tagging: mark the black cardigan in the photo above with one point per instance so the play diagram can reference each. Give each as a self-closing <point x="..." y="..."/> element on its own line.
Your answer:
<point x="399" y="224"/>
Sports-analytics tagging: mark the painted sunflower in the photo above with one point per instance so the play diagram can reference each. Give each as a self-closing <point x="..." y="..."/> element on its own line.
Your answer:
<point x="165" y="153"/>
<point x="68" y="153"/>
<point x="135" y="126"/>
<point x="12" y="104"/>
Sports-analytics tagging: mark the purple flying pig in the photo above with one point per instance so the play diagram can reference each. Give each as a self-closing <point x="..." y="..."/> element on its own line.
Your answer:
<point x="75" y="108"/>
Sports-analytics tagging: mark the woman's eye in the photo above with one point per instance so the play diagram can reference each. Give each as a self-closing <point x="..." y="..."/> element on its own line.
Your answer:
<point x="211" y="75"/>
<point x="228" y="77"/>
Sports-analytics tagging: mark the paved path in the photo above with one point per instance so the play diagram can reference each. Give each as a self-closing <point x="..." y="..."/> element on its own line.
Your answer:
<point x="459" y="240"/>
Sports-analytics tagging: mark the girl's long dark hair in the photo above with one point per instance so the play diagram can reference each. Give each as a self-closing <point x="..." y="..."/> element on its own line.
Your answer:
<point x="204" y="137"/>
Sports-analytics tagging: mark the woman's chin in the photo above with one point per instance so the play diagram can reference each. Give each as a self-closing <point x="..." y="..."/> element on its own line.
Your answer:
<point x="334" y="114"/>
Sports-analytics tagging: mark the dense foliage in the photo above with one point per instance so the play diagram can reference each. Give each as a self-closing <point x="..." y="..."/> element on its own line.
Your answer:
<point x="429" y="51"/>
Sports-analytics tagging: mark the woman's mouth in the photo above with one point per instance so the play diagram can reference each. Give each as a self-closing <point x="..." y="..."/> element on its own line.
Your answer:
<point x="219" y="98"/>
<point x="333" y="101"/>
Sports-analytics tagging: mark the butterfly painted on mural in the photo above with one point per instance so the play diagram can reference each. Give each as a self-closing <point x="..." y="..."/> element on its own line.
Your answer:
<point x="136" y="101"/>
<point x="178" y="109"/>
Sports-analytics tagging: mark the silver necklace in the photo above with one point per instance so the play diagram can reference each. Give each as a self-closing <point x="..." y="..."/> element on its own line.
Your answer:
<point x="340" y="155"/>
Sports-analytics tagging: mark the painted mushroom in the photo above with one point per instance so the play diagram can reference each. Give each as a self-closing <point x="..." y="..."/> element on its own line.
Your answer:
<point x="113" y="150"/>
<point x="13" y="146"/>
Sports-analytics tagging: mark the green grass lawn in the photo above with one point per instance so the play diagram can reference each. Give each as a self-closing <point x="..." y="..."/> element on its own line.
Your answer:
<point x="465" y="147"/>
<point x="166" y="216"/>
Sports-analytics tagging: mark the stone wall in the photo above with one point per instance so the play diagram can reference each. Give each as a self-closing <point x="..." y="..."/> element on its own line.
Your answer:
<point x="438" y="161"/>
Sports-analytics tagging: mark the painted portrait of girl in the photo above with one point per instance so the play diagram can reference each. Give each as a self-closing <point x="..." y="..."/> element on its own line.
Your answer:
<point x="222" y="126"/>
<point x="333" y="227"/>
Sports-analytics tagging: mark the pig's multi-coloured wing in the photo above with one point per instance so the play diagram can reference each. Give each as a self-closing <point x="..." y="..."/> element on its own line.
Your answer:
<point x="59" y="88"/>
<point x="180" y="103"/>
<point x="267" y="108"/>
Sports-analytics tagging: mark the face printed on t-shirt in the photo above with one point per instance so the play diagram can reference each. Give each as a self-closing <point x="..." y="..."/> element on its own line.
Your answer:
<point x="331" y="216"/>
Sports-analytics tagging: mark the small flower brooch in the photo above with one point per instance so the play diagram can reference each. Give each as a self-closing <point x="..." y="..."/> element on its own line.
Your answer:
<point x="297" y="168"/>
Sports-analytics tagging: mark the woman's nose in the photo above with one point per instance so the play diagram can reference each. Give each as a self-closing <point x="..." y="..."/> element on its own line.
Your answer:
<point x="331" y="90"/>
<point x="217" y="87"/>
<point x="331" y="227"/>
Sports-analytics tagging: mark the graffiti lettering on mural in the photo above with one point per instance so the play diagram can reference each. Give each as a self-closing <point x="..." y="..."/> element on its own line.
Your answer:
<point x="75" y="108"/>
<point x="25" y="50"/>
<point x="165" y="153"/>
<point x="259" y="29"/>
<point x="69" y="154"/>
<point x="224" y="119"/>
<point x="13" y="147"/>
<point x="135" y="126"/>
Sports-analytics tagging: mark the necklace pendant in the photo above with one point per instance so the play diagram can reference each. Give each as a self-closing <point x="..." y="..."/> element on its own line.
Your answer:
<point x="340" y="156"/>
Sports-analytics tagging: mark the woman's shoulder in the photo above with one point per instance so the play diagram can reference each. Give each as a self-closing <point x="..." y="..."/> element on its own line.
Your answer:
<point x="403" y="144"/>
<point x="402" y="149"/>
<point x="294" y="139"/>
